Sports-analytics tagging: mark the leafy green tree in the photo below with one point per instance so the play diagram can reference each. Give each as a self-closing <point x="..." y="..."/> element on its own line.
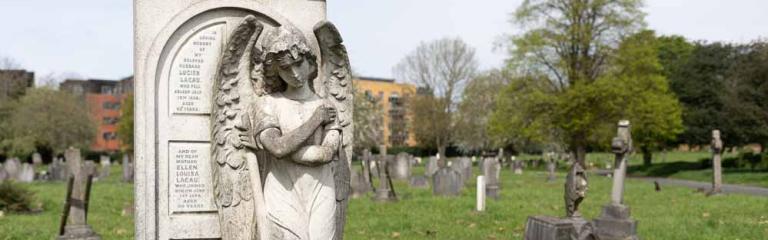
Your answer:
<point x="747" y="94"/>
<point x="566" y="44"/>
<point x="125" y="125"/>
<point x="644" y="96"/>
<point x="477" y="104"/>
<point x="47" y="118"/>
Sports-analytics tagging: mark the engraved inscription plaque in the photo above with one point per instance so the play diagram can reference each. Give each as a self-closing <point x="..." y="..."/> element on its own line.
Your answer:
<point x="193" y="69"/>
<point x="190" y="174"/>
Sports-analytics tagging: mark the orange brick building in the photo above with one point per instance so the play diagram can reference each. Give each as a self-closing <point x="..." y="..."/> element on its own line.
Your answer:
<point x="393" y="98"/>
<point x="103" y="99"/>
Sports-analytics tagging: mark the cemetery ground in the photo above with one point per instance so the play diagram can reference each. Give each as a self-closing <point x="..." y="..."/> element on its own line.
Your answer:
<point x="672" y="213"/>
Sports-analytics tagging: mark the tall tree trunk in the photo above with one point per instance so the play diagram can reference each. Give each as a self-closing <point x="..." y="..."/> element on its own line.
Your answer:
<point x="442" y="161"/>
<point x="647" y="156"/>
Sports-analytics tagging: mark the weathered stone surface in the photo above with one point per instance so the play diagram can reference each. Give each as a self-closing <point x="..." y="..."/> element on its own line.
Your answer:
<point x="76" y="210"/>
<point x="58" y="170"/>
<point x="431" y="166"/>
<point x="418" y="182"/>
<point x="12" y="167"/>
<point x="127" y="166"/>
<point x="447" y="182"/>
<point x="360" y="185"/>
<point x="615" y="222"/>
<point x="211" y="73"/>
<point x="37" y="159"/>
<point x="717" y="168"/>
<point x="90" y="168"/>
<point x="491" y="170"/>
<point x="106" y="164"/>
<point x="463" y="165"/>
<point x="553" y="228"/>
<point x="26" y="173"/>
<point x="401" y="168"/>
<point x="385" y="192"/>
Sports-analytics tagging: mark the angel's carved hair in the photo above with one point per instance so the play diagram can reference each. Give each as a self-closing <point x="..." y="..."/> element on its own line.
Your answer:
<point x="284" y="44"/>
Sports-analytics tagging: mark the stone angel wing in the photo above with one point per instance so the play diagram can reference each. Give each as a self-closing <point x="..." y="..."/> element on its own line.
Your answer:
<point x="236" y="178"/>
<point x="336" y="81"/>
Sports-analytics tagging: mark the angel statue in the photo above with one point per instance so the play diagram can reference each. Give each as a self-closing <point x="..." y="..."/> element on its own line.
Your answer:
<point x="282" y="134"/>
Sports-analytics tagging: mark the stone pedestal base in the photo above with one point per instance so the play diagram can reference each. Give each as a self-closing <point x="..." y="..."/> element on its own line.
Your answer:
<point x="79" y="232"/>
<point x="553" y="228"/>
<point x="615" y="224"/>
<point x="492" y="191"/>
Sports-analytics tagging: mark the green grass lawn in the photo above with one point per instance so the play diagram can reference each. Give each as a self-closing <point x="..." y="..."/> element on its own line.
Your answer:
<point x="673" y="213"/>
<point x="108" y="197"/>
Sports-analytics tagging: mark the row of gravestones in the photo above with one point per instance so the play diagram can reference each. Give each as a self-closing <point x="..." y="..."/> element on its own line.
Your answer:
<point x="58" y="170"/>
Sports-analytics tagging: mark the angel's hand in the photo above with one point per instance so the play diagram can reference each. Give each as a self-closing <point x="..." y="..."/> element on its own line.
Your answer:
<point x="247" y="139"/>
<point x="326" y="113"/>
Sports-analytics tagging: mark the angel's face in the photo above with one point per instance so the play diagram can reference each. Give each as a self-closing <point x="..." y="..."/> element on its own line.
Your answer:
<point x="294" y="71"/>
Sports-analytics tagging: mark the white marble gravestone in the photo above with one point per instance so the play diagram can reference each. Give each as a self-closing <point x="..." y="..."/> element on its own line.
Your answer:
<point x="178" y="44"/>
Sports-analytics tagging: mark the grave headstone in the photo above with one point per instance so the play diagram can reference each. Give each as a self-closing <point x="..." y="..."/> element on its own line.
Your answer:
<point x="74" y="220"/>
<point x="401" y="168"/>
<point x="360" y="186"/>
<point x="551" y="167"/>
<point x="464" y="166"/>
<point x="106" y="164"/>
<point x="13" y="168"/>
<point x="418" y="182"/>
<point x="3" y="174"/>
<point x="447" y="182"/>
<point x="491" y="171"/>
<point x="480" y="205"/>
<point x="431" y="167"/>
<point x="517" y="166"/>
<point x="127" y="166"/>
<point x="615" y="221"/>
<point x="385" y="192"/>
<point x="26" y="173"/>
<point x="37" y="159"/>
<point x="58" y="170"/>
<point x="91" y="169"/>
<point x="717" y="169"/>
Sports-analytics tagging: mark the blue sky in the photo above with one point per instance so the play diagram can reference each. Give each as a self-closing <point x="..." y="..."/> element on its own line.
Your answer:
<point x="93" y="38"/>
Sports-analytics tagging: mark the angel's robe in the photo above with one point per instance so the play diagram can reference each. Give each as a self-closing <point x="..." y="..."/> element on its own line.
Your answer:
<point x="299" y="199"/>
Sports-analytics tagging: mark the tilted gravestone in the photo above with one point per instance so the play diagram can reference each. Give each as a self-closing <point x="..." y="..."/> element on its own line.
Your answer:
<point x="447" y="182"/>
<point x="385" y="192"/>
<point x="217" y="84"/>
<point x="401" y="168"/>
<point x="74" y="224"/>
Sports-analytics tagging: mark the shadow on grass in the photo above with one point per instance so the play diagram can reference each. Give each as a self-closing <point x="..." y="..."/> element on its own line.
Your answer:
<point x="671" y="168"/>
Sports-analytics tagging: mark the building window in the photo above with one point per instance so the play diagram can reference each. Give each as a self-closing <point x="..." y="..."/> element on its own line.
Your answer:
<point x="107" y="90"/>
<point x="110" y="120"/>
<point x="109" y="136"/>
<point x="111" y="105"/>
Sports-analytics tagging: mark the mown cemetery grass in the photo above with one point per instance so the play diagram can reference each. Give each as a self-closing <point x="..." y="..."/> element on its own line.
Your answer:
<point x="673" y="213"/>
<point x="108" y="198"/>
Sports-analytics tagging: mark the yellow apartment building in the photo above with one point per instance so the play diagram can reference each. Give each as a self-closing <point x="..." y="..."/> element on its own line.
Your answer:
<point x="393" y="98"/>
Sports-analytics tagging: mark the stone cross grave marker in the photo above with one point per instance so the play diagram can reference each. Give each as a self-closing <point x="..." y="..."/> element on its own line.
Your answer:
<point x="74" y="220"/>
<point x="717" y="168"/>
<point x="615" y="221"/>
<point x="385" y="192"/>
